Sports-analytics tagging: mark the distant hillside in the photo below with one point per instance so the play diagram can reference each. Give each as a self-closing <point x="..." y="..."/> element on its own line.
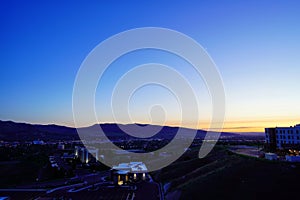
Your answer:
<point x="12" y="131"/>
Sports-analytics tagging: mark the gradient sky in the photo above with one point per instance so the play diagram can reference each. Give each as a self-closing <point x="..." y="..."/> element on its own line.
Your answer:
<point x="255" y="45"/>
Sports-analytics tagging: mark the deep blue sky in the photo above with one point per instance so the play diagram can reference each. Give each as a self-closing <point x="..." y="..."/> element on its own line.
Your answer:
<point x="255" y="44"/>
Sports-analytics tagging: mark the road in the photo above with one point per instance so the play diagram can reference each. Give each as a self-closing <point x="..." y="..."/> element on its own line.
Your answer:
<point x="93" y="186"/>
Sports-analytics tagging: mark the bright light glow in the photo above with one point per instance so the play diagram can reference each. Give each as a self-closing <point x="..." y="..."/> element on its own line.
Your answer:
<point x="120" y="182"/>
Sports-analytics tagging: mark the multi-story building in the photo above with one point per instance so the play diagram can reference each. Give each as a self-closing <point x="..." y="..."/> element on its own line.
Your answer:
<point x="85" y="155"/>
<point x="283" y="137"/>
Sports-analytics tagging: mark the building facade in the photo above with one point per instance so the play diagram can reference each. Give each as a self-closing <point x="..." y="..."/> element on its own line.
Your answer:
<point x="86" y="155"/>
<point x="126" y="173"/>
<point x="283" y="137"/>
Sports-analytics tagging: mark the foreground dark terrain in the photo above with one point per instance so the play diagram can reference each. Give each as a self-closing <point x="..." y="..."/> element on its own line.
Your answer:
<point x="221" y="175"/>
<point x="27" y="173"/>
<point x="224" y="175"/>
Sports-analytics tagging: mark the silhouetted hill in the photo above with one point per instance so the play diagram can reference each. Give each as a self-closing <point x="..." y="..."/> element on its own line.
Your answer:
<point x="12" y="131"/>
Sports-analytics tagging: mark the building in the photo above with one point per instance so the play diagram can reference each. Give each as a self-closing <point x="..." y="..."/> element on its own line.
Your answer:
<point x="94" y="153"/>
<point x="61" y="146"/>
<point x="82" y="153"/>
<point x="283" y="137"/>
<point x="126" y="173"/>
<point x="86" y="155"/>
<point x="77" y="150"/>
<point x="292" y="158"/>
<point x="271" y="156"/>
<point x="38" y="142"/>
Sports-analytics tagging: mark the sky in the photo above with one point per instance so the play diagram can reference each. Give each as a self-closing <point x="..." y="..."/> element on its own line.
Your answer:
<point x="254" y="44"/>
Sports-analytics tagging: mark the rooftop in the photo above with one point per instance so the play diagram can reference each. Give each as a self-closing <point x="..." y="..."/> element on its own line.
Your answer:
<point x="288" y="127"/>
<point x="135" y="167"/>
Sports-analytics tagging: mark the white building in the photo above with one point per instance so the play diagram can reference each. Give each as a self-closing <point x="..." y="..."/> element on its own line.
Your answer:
<point x="283" y="137"/>
<point x="85" y="155"/>
<point x="125" y="173"/>
<point x="82" y="153"/>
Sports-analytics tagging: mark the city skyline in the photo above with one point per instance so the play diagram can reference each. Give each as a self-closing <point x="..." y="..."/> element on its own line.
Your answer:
<point x="254" y="45"/>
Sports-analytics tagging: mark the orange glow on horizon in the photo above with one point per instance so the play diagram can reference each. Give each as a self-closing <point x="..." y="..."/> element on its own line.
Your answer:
<point x="244" y="125"/>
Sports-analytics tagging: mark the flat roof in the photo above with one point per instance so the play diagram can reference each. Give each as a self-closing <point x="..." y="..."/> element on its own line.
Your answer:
<point x="135" y="167"/>
<point x="288" y="127"/>
<point x="271" y="154"/>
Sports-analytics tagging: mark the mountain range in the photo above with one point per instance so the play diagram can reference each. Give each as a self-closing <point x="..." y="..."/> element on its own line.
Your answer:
<point x="13" y="131"/>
